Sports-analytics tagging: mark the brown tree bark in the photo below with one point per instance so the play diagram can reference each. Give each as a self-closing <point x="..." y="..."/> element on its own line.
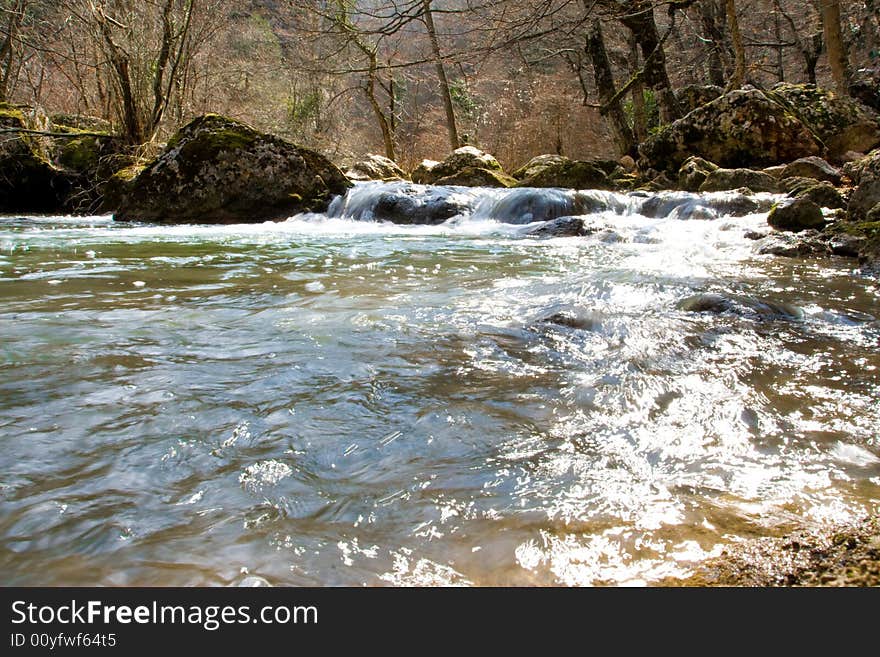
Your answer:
<point x="445" y="93"/>
<point x="598" y="55"/>
<point x="739" y="51"/>
<point x="640" y="113"/>
<point x="835" y="46"/>
<point x="710" y="20"/>
<point x="638" y="17"/>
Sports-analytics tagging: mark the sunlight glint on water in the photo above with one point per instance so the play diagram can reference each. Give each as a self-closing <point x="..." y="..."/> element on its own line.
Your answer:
<point x="326" y="401"/>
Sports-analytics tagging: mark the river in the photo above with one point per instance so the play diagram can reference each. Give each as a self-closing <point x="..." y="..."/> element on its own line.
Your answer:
<point x="339" y="401"/>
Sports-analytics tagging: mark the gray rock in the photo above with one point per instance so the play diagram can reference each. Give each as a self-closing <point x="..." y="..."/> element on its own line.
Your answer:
<point x="562" y="227"/>
<point x="726" y="179"/>
<point x="693" y="173"/>
<point x="374" y="167"/>
<point x="455" y="162"/>
<point x="812" y="167"/>
<point x="741" y="128"/>
<point x="217" y="170"/>
<point x="796" y="215"/>
<point x="823" y="194"/>
<point x="867" y="194"/>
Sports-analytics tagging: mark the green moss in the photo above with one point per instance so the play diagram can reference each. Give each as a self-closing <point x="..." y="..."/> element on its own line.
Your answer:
<point x="11" y="112"/>
<point x="81" y="154"/>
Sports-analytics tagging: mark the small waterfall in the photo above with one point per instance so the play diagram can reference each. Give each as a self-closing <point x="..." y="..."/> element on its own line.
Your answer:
<point x="408" y="203"/>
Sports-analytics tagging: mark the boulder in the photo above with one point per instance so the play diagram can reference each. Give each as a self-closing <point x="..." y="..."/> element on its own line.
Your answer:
<point x="538" y="164"/>
<point x="422" y="172"/>
<point x="867" y="194"/>
<point x="217" y="170"/>
<point x="795" y="215"/>
<point x="477" y="177"/>
<point x="429" y="173"/>
<point x="571" y="174"/>
<point x="562" y="227"/>
<point x="726" y="179"/>
<point x="416" y="205"/>
<point x="737" y="304"/>
<point x="812" y="167"/>
<point x="29" y="181"/>
<point x="793" y="246"/>
<point x="374" y="167"/>
<point x="841" y="123"/>
<point x="823" y="194"/>
<point x="693" y="96"/>
<point x="741" y="128"/>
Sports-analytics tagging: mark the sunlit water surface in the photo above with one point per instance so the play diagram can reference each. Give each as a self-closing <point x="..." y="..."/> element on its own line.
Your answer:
<point x="338" y="402"/>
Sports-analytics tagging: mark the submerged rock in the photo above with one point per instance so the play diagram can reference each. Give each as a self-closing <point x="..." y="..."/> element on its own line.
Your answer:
<point x="562" y="227"/>
<point x="790" y="245"/>
<point x="721" y="180"/>
<point x="741" y="128"/>
<point x="374" y="167"/>
<point x="217" y="170"/>
<point x="796" y="215"/>
<point x="740" y="305"/>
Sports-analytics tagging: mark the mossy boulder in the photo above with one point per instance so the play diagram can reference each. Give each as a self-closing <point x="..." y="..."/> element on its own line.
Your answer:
<point x="422" y="173"/>
<point x="812" y="167"/>
<point x="743" y="128"/>
<point x="459" y="159"/>
<point x="218" y="170"/>
<point x="692" y="96"/>
<point x="841" y="123"/>
<point x="29" y="181"/>
<point x="80" y="123"/>
<point x="867" y="194"/>
<point x="374" y="167"/>
<point x="538" y="164"/>
<point x="796" y="215"/>
<point x="477" y="177"/>
<point x="118" y="186"/>
<point x="693" y="173"/>
<point x="823" y="194"/>
<point x="721" y="180"/>
<point x="572" y="174"/>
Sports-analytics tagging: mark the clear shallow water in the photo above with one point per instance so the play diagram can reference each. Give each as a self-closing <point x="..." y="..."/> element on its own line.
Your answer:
<point x="332" y="402"/>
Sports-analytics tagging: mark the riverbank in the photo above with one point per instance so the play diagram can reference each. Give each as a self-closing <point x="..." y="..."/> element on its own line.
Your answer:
<point x="842" y="555"/>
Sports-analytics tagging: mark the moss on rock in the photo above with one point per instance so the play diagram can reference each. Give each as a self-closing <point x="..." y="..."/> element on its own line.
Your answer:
<point x="571" y="174"/>
<point x="477" y="177"/>
<point x="743" y="128"/>
<point x="841" y="123"/>
<point x="218" y="170"/>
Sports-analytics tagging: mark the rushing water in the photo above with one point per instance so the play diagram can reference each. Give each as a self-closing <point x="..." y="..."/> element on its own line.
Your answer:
<point x="337" y="401"/>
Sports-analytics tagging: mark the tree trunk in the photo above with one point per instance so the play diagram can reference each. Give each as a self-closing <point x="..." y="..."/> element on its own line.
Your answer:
<point x="381" y="119"/>
<point x="7" y="46"/>
<point x="640" y="114"/>
<point x="445" y="93"/>
<point x="739" y="71"/>
<point x="709" y="19"/>
<point x="835" y="46"/>
<point x="639" y="19"/>
<point x="595" y="49"/>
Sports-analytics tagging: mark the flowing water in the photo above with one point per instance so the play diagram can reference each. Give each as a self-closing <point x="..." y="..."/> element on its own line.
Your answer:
<point x="339" y="401"/>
